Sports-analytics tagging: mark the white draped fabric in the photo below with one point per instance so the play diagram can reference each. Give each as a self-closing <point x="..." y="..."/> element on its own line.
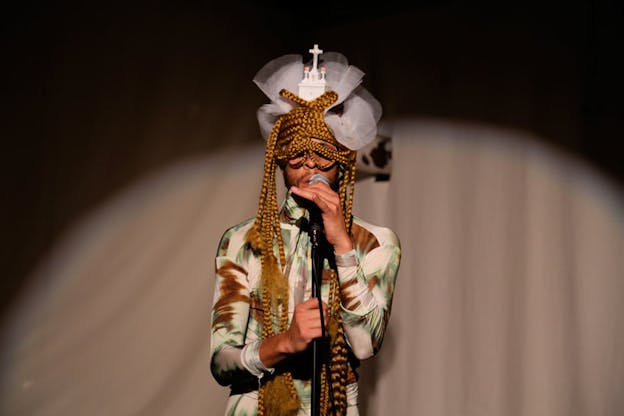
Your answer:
<point x="509" y="300"/>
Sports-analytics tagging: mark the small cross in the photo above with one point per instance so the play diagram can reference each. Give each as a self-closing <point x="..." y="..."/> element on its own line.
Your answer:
<point x="316" y="52"/>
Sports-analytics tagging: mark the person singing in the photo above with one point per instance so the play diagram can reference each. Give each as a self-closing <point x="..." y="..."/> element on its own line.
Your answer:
<point x="264" y="315"/>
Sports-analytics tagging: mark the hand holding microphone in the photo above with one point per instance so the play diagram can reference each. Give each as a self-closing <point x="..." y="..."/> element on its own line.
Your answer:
<point x="316" y="219"/>
<point x="329" y="217"/>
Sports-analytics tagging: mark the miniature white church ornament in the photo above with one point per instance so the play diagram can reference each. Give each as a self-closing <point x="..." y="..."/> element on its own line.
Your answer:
<point x="313" y="83"/>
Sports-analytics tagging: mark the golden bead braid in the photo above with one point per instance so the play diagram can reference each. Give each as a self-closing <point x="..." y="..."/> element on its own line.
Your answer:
<point x="298" y="133"/>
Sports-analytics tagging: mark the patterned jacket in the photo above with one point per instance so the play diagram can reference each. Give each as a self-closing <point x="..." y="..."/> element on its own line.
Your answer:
<point x="366" y="291"/>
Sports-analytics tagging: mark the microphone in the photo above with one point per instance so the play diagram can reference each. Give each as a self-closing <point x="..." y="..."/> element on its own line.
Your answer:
<point x="316" y="221"/>
<point x="318" y="344"/>
<point x="317" y="177"/>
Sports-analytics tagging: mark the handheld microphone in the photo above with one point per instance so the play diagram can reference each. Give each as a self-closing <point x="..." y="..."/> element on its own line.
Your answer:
<point x="316" y="232"/>
<point x="316" y="221"/>
<point x="317" y="177"/>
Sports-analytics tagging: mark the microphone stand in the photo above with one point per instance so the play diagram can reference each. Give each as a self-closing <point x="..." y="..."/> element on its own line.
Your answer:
<point x="317" y="343"/>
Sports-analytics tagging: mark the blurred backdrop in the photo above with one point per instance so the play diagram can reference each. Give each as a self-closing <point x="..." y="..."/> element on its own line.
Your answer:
<point x="103" y="98"/>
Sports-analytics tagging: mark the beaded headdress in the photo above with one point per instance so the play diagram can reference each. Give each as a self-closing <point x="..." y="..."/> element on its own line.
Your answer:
<point x="332" y="107"/>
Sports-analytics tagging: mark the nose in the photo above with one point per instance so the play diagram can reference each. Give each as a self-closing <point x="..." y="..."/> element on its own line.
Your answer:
<point x="310" y="161"/>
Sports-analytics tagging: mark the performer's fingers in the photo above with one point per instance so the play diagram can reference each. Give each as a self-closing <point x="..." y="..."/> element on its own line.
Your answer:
<point x="304" y="193"/>
<point x="326" y="203"/>
<point x="320" y="202"/>
<point x="311" y="303"/>
<point x="331" y="207"/>
<point x="324" y="190"/>
<point x="316" y="189"/>
<point x="327" y="194"/>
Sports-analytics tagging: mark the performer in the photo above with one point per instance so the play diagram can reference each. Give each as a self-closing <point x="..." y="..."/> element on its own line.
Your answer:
<point x="264" y="316"/>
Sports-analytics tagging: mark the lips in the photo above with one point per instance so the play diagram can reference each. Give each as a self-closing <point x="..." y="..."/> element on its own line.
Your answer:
<point x="305" y="182"/>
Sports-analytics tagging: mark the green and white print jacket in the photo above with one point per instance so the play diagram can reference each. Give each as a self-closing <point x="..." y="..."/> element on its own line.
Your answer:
<point x="366" y="291"/>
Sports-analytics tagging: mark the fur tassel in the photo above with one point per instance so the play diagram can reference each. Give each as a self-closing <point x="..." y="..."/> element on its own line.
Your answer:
<point x="254" y="238"/>
<point x="278" y="400"/>
<point x="275" y="282"/>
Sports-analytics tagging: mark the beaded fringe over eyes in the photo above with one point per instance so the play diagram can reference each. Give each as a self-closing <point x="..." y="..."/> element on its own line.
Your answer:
<point x="291" y="135"/>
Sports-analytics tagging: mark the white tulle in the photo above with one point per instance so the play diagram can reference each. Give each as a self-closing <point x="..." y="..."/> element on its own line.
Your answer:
<point x="354" y="128"/>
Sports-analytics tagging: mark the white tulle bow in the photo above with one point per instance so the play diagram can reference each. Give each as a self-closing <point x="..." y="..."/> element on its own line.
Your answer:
<point x="354" y="128"/>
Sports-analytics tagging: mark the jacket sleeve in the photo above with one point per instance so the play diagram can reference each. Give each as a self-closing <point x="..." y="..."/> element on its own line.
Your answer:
<point x="367" y="288"/>
<point x="230" y="313"/>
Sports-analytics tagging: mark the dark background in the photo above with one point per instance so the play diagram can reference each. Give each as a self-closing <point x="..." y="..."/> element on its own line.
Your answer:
<point x="98" y="94"/>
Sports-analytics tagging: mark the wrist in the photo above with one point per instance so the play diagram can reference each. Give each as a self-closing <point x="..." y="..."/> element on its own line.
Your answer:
<point x="285" y="345"/>
<point x="344" y="246"/>
<point x="274" y="349"/>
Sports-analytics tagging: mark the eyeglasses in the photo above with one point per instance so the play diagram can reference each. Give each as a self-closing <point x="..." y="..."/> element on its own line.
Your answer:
<point x="321" y="162"/>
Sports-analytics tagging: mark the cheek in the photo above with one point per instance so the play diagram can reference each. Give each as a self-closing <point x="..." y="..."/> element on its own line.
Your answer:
<point x="333" y="175"/>
<point x="289" y="176"/>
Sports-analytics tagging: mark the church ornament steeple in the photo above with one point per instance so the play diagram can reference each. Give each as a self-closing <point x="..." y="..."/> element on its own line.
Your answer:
<point x="313" y="83"/>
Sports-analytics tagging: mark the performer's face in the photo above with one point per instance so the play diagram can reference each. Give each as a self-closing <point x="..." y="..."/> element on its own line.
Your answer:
<point x="298" y="174"/>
